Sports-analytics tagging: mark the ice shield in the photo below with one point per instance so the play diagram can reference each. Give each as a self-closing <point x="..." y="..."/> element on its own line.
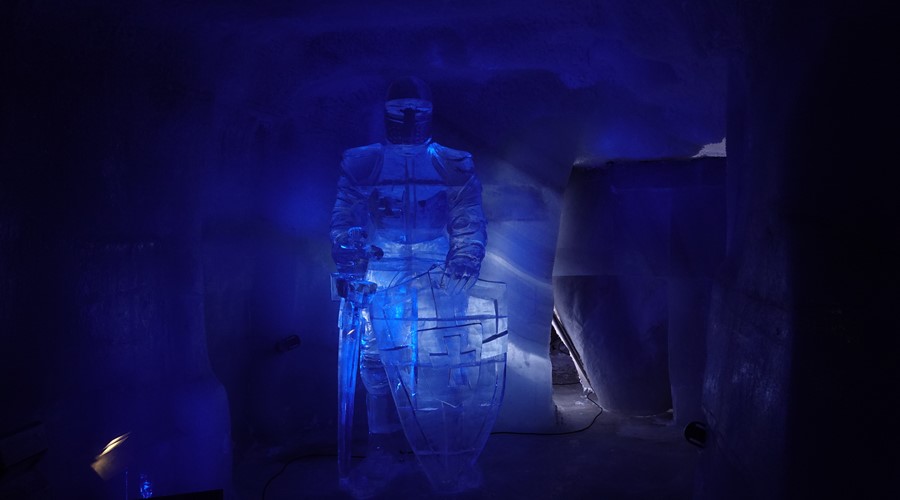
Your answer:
<point x="445" y="358"/>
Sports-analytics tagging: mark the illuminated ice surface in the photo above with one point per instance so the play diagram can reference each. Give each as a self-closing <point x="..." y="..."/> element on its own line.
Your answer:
<point x="445" y="357"/>
<point x="353" y="320"/>
<point x="408" y="218"/>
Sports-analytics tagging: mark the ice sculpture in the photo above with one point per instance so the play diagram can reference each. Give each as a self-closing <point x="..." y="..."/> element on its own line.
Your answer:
<point x="408" y="225"/>
<point x="356" y="295"/>
<point x="445" y="358"/>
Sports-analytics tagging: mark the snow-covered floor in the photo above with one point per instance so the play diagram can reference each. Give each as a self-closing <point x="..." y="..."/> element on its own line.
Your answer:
<point x="617" y="457"/>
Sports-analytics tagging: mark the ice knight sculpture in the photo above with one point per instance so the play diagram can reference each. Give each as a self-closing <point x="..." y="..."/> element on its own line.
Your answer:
<point x="408" y="238"/>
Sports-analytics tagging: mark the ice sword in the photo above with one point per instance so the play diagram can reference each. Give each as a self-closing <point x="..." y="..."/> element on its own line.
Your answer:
<point x="357" y="295"/>
<point x="352" y="255"/>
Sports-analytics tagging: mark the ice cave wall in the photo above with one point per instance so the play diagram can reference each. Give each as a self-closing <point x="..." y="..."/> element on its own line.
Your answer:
<point x="189" y="150"/>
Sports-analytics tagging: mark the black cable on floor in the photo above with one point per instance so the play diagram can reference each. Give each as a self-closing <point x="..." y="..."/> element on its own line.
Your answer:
<point x="332" y="455"/>
<point x="289" y="462"/>
<point x="557" y="433"/>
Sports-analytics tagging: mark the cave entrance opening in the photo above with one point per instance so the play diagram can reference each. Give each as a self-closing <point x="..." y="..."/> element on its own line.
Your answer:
<point x="565" y="360"/>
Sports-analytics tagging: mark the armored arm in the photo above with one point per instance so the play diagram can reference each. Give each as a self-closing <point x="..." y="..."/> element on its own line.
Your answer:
<point x="466" y="226"/>
<point x="349" y="216"/>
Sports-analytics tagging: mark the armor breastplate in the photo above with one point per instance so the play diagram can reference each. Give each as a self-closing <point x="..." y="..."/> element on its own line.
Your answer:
<point x="408" y="202"/>
<point x="406" y="193"/>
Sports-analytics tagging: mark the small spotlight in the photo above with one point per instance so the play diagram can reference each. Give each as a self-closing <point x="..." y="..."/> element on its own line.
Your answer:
<point x="110" y="462"/>
<point x="695" y="433"/>
<point x="113" y="444"/>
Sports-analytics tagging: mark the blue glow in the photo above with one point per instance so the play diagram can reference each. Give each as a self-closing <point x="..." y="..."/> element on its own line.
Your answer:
<point x="409" y="219"/>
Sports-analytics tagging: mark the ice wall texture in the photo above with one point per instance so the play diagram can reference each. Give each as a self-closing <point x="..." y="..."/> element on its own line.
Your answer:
<point x="104" y="336"/>
<point x="639" y="244"/>
<point x="243" y="108"/>
<point x="801" y="314"/>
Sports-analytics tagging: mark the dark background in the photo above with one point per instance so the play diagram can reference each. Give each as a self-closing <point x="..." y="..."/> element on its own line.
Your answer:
<point x="167" y="171"/>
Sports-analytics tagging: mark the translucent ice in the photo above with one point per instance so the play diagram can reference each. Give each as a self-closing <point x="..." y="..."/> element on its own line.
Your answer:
<point x="408" y="214"/>
<point x="445" y="357"/>
<point x="353" y="320"/>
